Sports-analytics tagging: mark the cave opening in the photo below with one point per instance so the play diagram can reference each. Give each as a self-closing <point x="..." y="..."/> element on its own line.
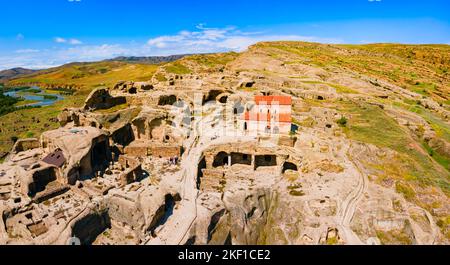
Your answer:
<point x="241" y="158"/>
<point x="213" y="223"/>
<point x="167" y="100"/>
<point x="100" y="156"/>
<point x="90" y="227"/>
<point x="211" y="96"/>
<point x="223" y="99"/>
<point x="265" y="161"/>
<point x="201" y="166"/>
<point x="228" y="240"/>
<point x="123" y="136"/>
<point x="249" y="84"/>
<point x="289" y="166"/>
<point x="167" y="211"/>
<point x="133" y="90"/>
<point x="140" y="128"/>
<point x="41" y="179"/>
<point x="220" y="160"/>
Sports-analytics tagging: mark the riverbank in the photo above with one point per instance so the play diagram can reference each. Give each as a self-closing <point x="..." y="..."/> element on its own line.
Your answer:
<point x="31" y="122"/>
<point x="34" y="95"/>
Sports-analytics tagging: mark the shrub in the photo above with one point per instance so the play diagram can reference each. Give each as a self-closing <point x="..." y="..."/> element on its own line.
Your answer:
<point x="342" y="121"/>
<point x="50" y="97"/>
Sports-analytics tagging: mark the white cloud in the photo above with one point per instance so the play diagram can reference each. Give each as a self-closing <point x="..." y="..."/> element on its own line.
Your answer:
<point x="27" y="51"/>
<point x="60" y="40"/>
<point x="220" y="39"/>
<point x="75" y="42"/>
<point x="90" y="53"/>
<point x="42" y="59"/>
<point x="200" y="40"/>
<point x="68" y="41"/>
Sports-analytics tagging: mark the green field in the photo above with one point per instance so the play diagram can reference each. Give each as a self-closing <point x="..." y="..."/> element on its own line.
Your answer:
<point x="31" y="122"/>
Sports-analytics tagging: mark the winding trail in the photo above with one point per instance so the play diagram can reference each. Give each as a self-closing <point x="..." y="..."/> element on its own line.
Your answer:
<point x="176" y="230"/>
<point x="348" y="207"/>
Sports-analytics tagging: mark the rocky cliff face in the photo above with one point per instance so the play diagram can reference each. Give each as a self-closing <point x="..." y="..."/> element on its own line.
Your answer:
<point x="244" y="218"/>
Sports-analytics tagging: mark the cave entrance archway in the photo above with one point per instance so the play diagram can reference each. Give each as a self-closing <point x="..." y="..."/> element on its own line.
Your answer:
<point x="99" y="158"/>
<point x="265" y="161"/>
<point x="201" y="166"/>
<point x="88" y="228"/>
<point x="220" y="160"/>
<point x="140" y="128"/>
<point x="167" y="100"/>
<point x="154" y="125"/>
<point x="241" y="158"/>
<point x="212" y="95"/>
<point x="133" y="90"/>
<point x="289" y="166"/>
<point x="41" y="179"/>
<point x="167" y="211"/>
<point x="223" y="99"/>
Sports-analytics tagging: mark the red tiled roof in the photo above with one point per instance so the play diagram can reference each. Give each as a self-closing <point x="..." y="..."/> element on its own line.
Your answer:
<point x="269" y="100"/>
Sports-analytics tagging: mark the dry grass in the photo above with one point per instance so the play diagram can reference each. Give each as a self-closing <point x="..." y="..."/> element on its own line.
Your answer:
<point x="420" y="68"/>
<point x="89" y="75"/>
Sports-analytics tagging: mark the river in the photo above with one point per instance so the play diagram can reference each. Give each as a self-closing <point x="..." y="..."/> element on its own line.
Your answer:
<point x="38" y="97"/>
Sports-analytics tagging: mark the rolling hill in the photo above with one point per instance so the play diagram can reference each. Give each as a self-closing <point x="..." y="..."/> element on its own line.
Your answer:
<point x="8" y="74"/>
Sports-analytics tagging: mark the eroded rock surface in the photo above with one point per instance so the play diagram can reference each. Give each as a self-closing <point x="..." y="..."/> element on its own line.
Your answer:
<point x="175" y="160"/>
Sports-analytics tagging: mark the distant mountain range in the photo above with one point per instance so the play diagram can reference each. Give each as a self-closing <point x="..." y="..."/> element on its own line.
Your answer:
<point x="149" y="59"/>
<point x="6" y="75"/>
<point x="13" y="73"/>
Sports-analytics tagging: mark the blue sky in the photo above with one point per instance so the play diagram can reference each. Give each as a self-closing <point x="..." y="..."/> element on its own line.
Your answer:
<point x="44" y="33"/>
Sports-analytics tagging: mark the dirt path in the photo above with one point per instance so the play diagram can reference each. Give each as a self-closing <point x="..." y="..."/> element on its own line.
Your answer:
<point x="348" y="206"/>
<point x="176" y="230"/>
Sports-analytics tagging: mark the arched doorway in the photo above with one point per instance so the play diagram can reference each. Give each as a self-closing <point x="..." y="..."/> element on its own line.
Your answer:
<point x="167" y="100"/>
<point x="220" y="160"/>
<point x="201" y="166"/>
<point x="223" y="99"/>
<point x="289" y="166"/>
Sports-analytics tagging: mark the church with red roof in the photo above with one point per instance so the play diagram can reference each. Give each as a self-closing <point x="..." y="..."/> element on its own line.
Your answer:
<point x="268" y="115"/>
